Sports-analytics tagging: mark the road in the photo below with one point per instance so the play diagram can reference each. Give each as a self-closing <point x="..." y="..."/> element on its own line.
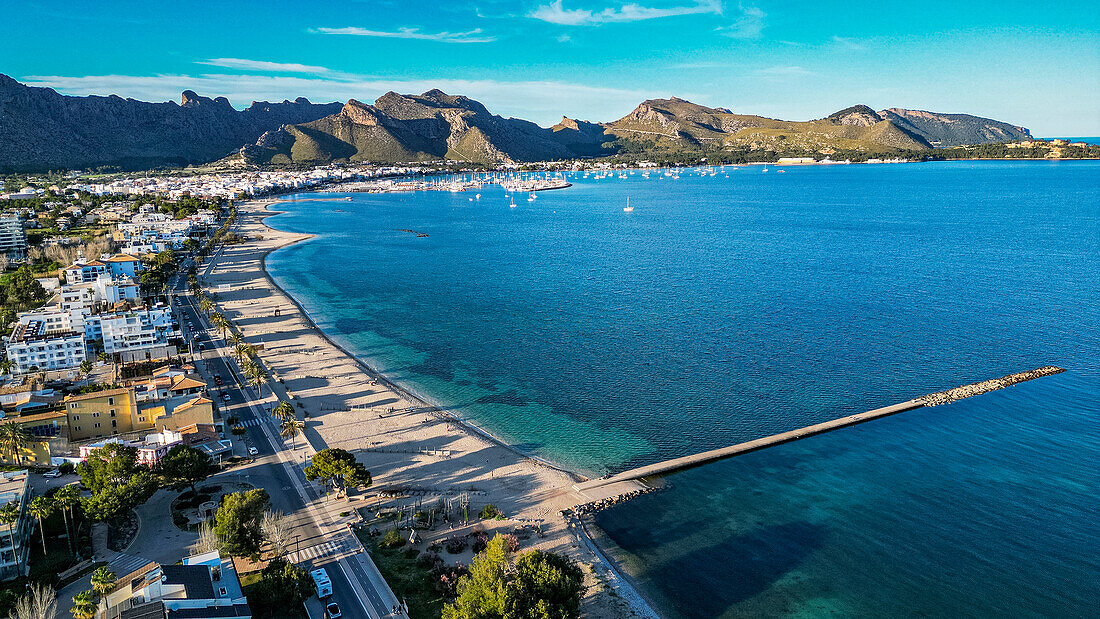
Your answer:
<point x="358" y="588"/>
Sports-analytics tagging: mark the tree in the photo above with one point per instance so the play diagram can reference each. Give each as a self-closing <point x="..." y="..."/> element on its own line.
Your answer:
<point x="40" y="602"/>
<point x="218" y="320"/>
<point x="256" y="375"/>
<point x="208" y="540"/>
<point x="545" y="585"/>
<point x="483" y="593"/>
<point x="237" y="522"/>
<point x="86" y="367"/>
<point x="206" y="304"/>
<point x="282" y="585"/>
<point x="103" y="581"/>
<point x="65" y="499"/>
<point x="238" y="431"/>
<point x="13" y="439"/>
<point x="291" y="429"/>
<point x="283" y="412"/>
<point x="41" y="507"/>
<point x="276" y="530"/>
<point x="117" y="482"/>
<point x="338" y="467"/>
<point x="184" y="465"/>
<point x="83" y="605"/>
<point x="243" y="350"/>
<point x="24" y="292"/>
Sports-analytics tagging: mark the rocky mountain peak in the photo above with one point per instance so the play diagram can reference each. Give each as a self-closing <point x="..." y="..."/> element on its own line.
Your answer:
<point x="858" y="115"/>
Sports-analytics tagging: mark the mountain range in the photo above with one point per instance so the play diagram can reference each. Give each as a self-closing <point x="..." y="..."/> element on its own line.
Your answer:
<point x="41" y="129"/>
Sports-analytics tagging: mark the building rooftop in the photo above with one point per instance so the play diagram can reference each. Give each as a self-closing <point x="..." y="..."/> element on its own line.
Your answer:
<point x="97" y="394"/>
<point x="194" y="578"/>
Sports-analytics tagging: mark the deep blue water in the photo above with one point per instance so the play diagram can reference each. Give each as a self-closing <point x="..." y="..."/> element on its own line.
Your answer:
<point x="734" y="306"/>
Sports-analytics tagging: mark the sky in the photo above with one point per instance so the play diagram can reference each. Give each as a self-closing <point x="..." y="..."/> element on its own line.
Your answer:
<point x="1034" y="64"/>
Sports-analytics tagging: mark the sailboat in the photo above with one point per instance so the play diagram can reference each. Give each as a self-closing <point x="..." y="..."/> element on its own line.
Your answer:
<point x="513" y="204"/>
<point x="628" y="208"/>
<point x="765" y="167"/>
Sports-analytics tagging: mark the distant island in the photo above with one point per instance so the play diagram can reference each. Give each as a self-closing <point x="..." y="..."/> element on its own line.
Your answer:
<point x="44" y="130"/>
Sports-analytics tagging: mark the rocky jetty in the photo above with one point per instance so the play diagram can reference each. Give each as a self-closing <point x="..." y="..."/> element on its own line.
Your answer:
<point x="966" y="391"/>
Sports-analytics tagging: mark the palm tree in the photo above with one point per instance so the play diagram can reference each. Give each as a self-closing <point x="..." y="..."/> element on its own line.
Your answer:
<point x="5" y="366"/>
<point x="206" y="304"/>
<point x="243" y="350"/>
<point x="66" y="498"/>
<point x="103" y="580"/>
<point x="256" y="375"/>
<point x="42" y="507"/>
<point x="283" y="412"/>
<point x="9" y="515"/>
<point x="291" y="429"/>
<point x="220" y="322"/>
<point x="83" y="605"/>
<point x="13" y="439"/>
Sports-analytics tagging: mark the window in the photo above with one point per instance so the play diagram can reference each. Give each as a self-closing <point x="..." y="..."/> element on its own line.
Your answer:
<point x="114" y="424"/>
<point x="77" y="428"/>
<point x="95" y="414"/>
<point x="76" y="417"/>
<point x="112" y="412"/>
<point x="110" y="401"/>
<point x="97" y="424"/>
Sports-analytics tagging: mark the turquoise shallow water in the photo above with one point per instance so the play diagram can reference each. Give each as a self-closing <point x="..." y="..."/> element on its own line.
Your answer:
<point x="737" y="305"/>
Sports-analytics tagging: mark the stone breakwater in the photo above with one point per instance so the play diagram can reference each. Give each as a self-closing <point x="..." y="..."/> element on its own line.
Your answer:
<point x="966" y="391"/>
<point x="602" y="504"/>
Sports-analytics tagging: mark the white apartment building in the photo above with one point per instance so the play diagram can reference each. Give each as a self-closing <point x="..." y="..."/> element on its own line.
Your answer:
<point x="135" y="335"/>
<point x="34" y="346"/>
<point x="14" y="546"/>
<point x="105" y="291"/>
<point x="13" y="239"/>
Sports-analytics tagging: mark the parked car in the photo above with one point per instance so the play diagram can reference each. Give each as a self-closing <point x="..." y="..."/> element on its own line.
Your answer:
<point x="226" y="397"/>
<point x="218" y="381"/>
<point x="252" y="451"/>
<point x="332" y="611"/>
<point x="52" y="473"/>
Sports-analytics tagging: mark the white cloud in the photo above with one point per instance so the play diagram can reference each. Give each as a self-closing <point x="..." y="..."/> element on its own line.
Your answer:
<point x="849" y="43"/>
<point x="749" y="26"/>
<point x="471" y="36"/>
<point x="556" y="13"/>
<point x="564" y="38"/>
<point x="783" y="71"/>
<point x="263" y="65"/>
<point x="543" y="102"/>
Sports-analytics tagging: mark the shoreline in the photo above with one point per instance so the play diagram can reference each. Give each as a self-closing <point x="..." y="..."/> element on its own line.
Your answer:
<point x="533" y="491"/>
<point x="426" y="401"/>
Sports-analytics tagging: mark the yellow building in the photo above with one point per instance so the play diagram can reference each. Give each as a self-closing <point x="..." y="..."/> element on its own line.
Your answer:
<point x="178" y="412"/>
<point x="102" y="413"/>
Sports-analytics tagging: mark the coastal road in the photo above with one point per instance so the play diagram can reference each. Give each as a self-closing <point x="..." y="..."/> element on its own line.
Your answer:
<point x="320" y="542"/>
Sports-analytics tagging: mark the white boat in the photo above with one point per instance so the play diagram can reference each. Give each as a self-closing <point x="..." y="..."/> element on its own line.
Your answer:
<point x="765" y="167"/>
<point x="513" y="204"/>
<point x="628" y="208"/>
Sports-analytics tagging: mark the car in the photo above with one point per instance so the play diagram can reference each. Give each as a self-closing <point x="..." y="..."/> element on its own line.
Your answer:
<point x="332" y="611"/>
<point x="226" y="397"/>
<point x="252" y="451"/>
<point x="218" y="380"/>
<point x="52" y="473"/>
<point x="202" y="346"/>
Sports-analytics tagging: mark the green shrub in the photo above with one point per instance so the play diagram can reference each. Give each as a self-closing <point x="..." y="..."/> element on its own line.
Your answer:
<point x="490" y="511"/>
<point x="392" y="539"/>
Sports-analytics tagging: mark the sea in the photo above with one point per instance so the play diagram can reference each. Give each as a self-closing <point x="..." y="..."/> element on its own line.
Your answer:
<point x="733" y="303"/>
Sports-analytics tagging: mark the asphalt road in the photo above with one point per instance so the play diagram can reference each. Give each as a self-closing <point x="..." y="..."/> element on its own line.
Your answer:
<point x="267" y="472"/>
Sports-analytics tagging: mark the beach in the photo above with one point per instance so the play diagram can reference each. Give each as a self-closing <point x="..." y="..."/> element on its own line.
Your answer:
<point x="416" y="453"/>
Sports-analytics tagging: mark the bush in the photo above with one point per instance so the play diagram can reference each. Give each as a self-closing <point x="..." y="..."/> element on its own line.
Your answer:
<point x="456" y="544"/>
<point x="481" y="540"/>
<point x="511" y="542"/>
<point x="490" y="511"/>
<point x="66" y="468"/>
<point x="392" y="539"/>
<point x="446" y="579"/>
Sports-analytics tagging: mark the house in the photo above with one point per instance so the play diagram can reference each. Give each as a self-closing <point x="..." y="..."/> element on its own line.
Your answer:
<point x="124" y="265"/>
<point x="204" y="586"/>
<point x="150" y="450"/>
<point x="14" y="546"/>
<point x="208" y="439"/>
<point x="177" y="412"/>
<point x="82" y="272"/>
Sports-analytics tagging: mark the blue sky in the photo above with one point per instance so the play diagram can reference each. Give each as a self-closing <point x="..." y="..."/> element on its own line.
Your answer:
<point x="1022" y="62"/>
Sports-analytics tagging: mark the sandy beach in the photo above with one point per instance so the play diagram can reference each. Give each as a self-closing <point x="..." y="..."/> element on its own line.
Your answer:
<point x="414" y="451"/>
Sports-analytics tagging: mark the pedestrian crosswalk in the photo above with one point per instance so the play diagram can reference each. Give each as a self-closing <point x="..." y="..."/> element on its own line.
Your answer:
<point x="313" y="552"/>
<point x="250" y="423"/>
